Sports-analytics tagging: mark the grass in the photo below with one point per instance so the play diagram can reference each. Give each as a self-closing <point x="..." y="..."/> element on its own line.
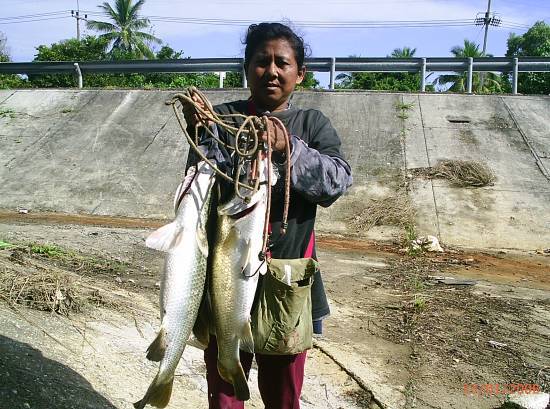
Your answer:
<point x="402" y="106"/>
<point x="419" y="303"/>
<point x="7" y="113"/>
<point x="416" y="283"/>
<point x="47" y="250"/>
<point x="410" y="237"/>
<point x="402" y="109"/>
<point x="403" y="115"/>
<point x="71" y="259"/>
<point x="5" y="245"/>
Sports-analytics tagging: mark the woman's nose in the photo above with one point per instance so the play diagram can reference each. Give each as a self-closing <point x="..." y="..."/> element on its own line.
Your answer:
<point x="272" y="69"/>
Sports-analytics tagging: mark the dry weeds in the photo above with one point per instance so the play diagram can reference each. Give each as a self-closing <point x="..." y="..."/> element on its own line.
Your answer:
<point x="393" y="210"/>
<point x="36" y="277"/>
<point x="460" y="173"/>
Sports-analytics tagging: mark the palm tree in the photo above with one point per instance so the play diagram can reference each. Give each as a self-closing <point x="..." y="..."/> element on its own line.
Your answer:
<point x="405" y="52"/>
<point x="458" y="81"/>
<point x="124" y="31"/>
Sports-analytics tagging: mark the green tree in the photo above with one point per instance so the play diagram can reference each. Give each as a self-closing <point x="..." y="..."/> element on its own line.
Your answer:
<point x="89" y="48"/>
<point x="458" y="82"/>
<point x="8" y="81"/>
<point x="309" y="82"/>
<point x="124" y="32"/>
<point x="405" y="52"/>
<point x="4" y="56"/>
<point x="534" y="43"/>
<point x="399" y="81"/>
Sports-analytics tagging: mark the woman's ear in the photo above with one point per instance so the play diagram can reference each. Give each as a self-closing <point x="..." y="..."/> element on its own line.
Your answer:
<point x="301" y="75"/>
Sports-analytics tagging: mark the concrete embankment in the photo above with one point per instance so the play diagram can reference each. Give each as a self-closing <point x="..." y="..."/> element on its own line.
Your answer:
<point x="121" y="153"/>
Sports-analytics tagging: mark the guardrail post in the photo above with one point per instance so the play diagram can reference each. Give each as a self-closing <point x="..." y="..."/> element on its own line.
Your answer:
<point x="470" y="74"/>
<point x="245" y="83"/>
<point x="515" y="74"/>
<point x="332" y="71"/>
<point x="79" y="74"/>
<point x="222" y="77"/>
<point x="423" y="76"/>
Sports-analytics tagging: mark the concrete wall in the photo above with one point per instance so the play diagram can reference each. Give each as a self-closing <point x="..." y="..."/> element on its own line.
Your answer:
<point x="110" y="152"/>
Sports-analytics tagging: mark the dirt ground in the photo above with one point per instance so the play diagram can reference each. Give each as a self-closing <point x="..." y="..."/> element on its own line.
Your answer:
<point x="405" y="331"/>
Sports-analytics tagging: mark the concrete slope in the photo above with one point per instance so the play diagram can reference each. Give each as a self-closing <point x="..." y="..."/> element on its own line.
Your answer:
<point x="509" y="134"/>
<point x="121" y="153"/>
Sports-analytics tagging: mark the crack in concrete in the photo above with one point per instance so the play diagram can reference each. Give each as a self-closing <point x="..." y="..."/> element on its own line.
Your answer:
<point x="8" y="97"/>
<point x="51" y="131"/>
<point x="537" y="158"/>
<point x="157" y="133"/>
<point x="352" y="375"/>
<point x="429" y="164"/>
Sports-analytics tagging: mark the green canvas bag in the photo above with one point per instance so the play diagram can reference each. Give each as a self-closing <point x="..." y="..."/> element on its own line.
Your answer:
<point x="281" y="320"/>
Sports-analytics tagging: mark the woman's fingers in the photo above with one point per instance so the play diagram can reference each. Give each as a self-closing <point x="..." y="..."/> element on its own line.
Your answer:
<point x="192" y="113"/>
<point x="277" y="136"/>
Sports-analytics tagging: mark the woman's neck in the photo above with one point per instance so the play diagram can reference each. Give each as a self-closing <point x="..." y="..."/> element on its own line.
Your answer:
<point x="261" y="108"/>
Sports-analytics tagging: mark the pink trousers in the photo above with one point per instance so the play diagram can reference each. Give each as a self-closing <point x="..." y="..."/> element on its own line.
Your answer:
<point x="280" y="379"/>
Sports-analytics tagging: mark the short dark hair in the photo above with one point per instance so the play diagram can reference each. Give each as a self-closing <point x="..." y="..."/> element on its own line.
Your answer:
<point x="258" y="34"/>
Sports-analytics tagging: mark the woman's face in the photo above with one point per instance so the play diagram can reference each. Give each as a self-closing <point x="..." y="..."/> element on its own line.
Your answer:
<point x="273" y="73"/>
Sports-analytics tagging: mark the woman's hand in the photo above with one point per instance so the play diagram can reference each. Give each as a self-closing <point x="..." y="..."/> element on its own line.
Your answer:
<point x="277" y="135"/>
<point x="192" y="115"/>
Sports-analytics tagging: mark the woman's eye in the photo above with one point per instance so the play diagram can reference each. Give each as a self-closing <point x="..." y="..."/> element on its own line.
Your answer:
<point x="263" y="63"/>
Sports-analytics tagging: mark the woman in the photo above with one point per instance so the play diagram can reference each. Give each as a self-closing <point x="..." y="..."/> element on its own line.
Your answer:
<point x="274" y="65"/>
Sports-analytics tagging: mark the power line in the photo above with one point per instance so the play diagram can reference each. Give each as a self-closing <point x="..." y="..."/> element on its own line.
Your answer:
<point x="310" y="23"/>
<point x="342" y="24"/>
<point x="33" y="20"/>
<point x="27" y="16"/>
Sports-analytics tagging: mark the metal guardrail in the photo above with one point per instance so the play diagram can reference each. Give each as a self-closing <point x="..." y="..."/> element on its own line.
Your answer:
<point x="331" y="65"/>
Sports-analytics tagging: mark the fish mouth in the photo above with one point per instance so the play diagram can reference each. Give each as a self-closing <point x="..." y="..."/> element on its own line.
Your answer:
<point x="244" y="212"/>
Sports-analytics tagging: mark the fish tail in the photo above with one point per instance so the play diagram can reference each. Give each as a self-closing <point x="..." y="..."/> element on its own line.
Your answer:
<point x="157" y="395"/>
<point x="157" y="349"/>
<point x="238" y="379"/>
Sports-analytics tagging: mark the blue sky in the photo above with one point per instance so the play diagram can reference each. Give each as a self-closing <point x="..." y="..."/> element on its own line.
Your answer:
<point x="224" y="41"/>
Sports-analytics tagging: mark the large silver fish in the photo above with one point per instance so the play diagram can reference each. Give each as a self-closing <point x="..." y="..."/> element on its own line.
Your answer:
<point x="234" y="278"/>
<point x="183" y="280"/>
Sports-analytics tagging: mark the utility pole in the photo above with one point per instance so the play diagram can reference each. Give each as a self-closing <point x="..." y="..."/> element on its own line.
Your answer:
<point x="488" y="20"/>
<point x="76" y="15"/>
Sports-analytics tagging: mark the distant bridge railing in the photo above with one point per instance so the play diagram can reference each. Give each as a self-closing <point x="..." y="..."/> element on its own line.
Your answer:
<point x="331" y="65"/>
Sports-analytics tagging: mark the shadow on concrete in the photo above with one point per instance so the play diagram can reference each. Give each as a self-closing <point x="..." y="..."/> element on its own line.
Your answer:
<point x="29" y="380"/>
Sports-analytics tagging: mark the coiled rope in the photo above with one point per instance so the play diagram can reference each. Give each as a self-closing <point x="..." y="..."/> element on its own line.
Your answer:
<point x="247" y="147"/>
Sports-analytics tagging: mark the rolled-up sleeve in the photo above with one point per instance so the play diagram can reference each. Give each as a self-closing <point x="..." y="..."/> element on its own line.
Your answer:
<point x="319" y="171"/>
<point x="318" y="177"/>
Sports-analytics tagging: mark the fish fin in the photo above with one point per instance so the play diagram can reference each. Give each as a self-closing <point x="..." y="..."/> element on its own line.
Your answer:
<point x="245" y="260"/>
<point x="202" y="240"/>
<point x="238" y="205"/>
<point x="201" y="329"/>
<point x="233" y="241"/>
<point x="238" y="379"/>
<point x="157" y="395"/>
<point x="157" y="349"/>
<point x="232" y="238"/>
<point x="194" y="342"/>
<point x="246" y="338"/>
<point x="163" y="239"/>
<point x="184" y="186"/>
